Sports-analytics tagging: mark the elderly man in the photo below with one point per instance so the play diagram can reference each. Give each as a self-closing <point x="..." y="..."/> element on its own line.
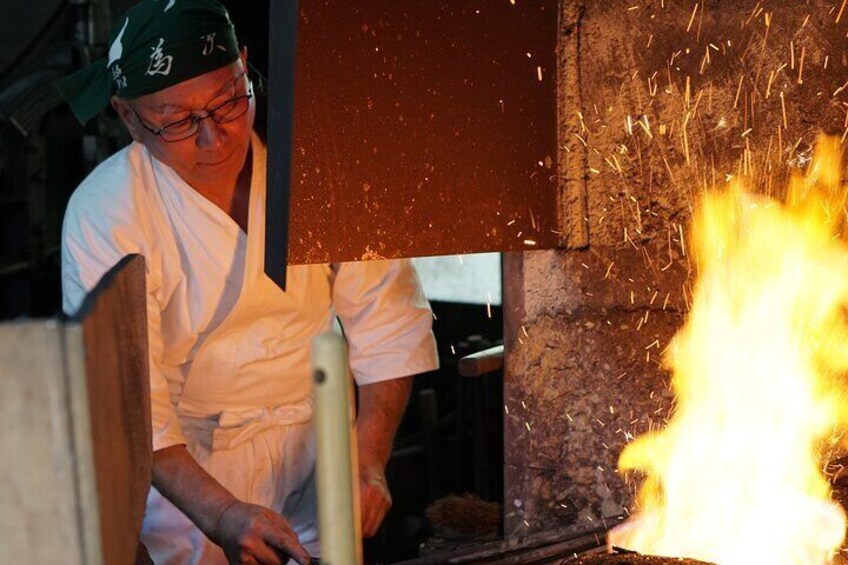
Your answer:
<point x="234" y="454"/>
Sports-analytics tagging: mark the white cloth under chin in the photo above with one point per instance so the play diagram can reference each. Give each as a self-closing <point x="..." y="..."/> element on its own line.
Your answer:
<point x="279" y="443"/>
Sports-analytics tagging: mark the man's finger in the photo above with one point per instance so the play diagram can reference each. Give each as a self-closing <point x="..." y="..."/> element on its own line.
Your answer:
<point x="287" y="542"/>
<point x="375" y="505"/>
<point x="375" y="518"/>
<point x="279" y="534"/>
<point x="365" y="510"/>
<point x="264" y="555"/>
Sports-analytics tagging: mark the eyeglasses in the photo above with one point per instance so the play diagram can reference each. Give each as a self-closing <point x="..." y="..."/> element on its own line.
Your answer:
<point x="228" y="111"/>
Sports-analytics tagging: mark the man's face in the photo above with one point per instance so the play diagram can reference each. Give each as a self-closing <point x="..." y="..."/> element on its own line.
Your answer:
<point x="212" y="158"/>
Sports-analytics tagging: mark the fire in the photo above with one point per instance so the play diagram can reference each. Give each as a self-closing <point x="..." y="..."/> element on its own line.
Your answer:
<point x="758" y="370"/>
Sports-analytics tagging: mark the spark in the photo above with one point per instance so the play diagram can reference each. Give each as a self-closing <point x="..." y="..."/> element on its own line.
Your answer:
<point x="754" y="14"/>
<point x="783" y="108"/>
<point x="768" y="86"/>
<point x="692" y="19"/>
<point x="646" y="126"/>
<point x="768" y="27"/>
<point x="792" y="55"/>
<point x="738" y="90"/>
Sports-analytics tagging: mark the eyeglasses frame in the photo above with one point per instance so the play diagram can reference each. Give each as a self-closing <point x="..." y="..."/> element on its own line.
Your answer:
<point x="210" y="113"/>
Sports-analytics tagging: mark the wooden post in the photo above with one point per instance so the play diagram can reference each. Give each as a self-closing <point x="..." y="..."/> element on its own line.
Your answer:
<point x="75" y="430"/>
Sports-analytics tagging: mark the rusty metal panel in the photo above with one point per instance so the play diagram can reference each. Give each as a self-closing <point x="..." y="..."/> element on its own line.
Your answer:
<point x="423" y="128"/>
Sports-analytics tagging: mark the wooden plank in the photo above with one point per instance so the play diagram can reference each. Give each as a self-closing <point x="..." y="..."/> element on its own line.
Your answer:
<point x="39" y="503"/>
<point x="118" y="393"/>
<point x="79" y="428"/>
<point x="75" y="430"/>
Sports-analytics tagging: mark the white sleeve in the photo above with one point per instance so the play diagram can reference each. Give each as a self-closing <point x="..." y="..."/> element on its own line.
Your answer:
<point x="386" y="319"/>
<point x="88" y="253"/>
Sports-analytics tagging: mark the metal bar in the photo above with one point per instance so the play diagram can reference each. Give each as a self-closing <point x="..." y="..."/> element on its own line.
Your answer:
<point x="282" y="41"/>
<point x="539" y="548"/>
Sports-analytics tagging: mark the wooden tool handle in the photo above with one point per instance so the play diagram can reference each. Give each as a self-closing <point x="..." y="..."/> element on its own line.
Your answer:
<point x="482" y="362"/>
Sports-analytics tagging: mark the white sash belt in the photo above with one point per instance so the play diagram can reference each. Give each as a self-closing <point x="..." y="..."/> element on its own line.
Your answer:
<point x="232" y="428"/>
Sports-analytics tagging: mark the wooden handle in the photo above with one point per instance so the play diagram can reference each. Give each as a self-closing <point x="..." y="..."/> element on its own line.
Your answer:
<point x="338" y="483"/>
<point x="482" y="362"/>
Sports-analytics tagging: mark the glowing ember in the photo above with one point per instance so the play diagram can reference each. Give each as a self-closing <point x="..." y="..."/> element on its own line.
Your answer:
<point x="736" y="476"/>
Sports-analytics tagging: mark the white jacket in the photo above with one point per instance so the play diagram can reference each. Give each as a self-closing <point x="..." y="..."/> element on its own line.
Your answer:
<point x="223" y="337"/>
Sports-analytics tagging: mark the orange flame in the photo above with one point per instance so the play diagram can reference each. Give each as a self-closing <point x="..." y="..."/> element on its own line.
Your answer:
<point x="736" y="476"/>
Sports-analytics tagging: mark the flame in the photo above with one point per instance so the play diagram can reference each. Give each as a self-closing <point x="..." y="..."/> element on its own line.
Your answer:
<point x="758" y="369"/>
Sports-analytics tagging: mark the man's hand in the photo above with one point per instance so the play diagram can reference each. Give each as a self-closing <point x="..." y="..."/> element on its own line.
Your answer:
<point x="251" y="534"/>
<point x="248" y="534"/>
<point x="381" y="406"/>
<point x="374" y="498"/>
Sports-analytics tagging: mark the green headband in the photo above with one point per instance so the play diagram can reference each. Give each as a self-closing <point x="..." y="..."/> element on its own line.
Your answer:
<point x="156" y="44"/>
